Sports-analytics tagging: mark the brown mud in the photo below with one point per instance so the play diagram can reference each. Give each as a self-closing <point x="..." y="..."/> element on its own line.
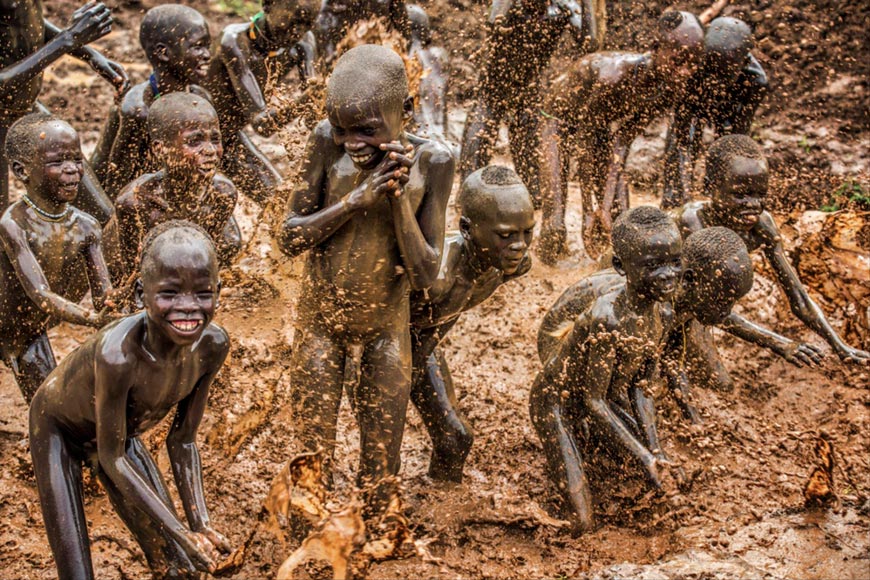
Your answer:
<point x="744" y="515"/>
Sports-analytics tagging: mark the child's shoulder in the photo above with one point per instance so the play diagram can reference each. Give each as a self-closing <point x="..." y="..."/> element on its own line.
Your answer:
<point x="432" y="153"/>
<point x="215" y="339"/>
<point x="232" y="34"/>
<point x="223" y="184"/>
<point x="603" y="313"/>
<point x="85" y="221"/>
<point x="118" y="344"/>
<point x="133" y="104"/>
<point x="129" y="196"/>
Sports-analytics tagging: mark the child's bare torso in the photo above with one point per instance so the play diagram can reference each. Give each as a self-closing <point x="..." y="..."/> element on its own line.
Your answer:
<point x="22" y="32"/>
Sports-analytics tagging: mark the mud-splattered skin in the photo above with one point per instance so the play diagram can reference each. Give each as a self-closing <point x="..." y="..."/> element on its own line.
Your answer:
<point x="724" y="94"/>
<point x="374" y="225"/>
<point x="590" y="393"/>
<point x="187" y="187"/>
<point x="337" y="16"/>
<point x="47" y="266"/>
<point x="247" y="57"/>
<point x="595" y="110"/>
<point x="737" y="203"/>
<point x="522" y="38"/>
<point x="117" y="385"/>
<point x="179" y="61"/>
<point x="476" y="261"/>
<point x="432" y="116"/>
<point x="28" y="44"/>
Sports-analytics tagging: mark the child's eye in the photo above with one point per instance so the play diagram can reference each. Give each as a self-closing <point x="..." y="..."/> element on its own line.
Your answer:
<point x="368" y="132"/>
<point x="205" y="295"/>
<point x="504" y="235"/>
<point x="338" y="131"/>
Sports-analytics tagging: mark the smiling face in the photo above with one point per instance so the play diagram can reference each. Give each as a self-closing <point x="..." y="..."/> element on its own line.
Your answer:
<point x="180" y="287"/>
<point x="738" y="198"/>
<point x="288" y="21"/>
<point x="190" y="55"/>
<point x="501" y="235"/>
<point x="192" y="146"/>
<point x="361" y="130"/>
<point x="56" y="170"/>
<point x="654" y="268"/>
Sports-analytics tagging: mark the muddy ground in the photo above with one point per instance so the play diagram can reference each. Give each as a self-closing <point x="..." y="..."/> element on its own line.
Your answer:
<point x="744" y="515"/>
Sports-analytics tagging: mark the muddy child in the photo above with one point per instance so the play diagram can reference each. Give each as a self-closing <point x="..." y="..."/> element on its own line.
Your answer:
<point x="736" y="182"/>
<point x="52" y="252"/>
<point x="490" y="249"/>
<point x="95" y="406"/>
<point x="523" y="35"/>
<point x="176" y="41"/>
<point x="590" y="396"/>
<point x="30" y="44"/>
<point x="186" y="142"/>
<point x="336" y="17"/>
<point x="248" y="57"/>
<point x="371" y="212"/>
<point x="717" y="272"/>
<point x="594" y="111"/>
<point x="724" y="95"/>
<point x="432" y="114"/>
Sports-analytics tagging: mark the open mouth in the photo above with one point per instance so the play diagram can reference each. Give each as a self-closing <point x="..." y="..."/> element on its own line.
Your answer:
<point x="361" y="159"/>
<point x="186" y="326"/>
<point x="202" y="69"/>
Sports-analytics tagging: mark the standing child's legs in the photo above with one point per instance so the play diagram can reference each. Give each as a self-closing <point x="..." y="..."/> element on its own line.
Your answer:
<point x="249" y="169"/>
<point x="433" y="395"/>
<point x="59" y="480"/>
<point x="165" y="557"/>
<point x="478" y="138"/>
<point x="524" y="142"/>
<point x="4" y="167"/>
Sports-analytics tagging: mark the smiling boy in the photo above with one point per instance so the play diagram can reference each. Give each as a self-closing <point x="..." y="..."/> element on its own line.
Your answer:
<point x="52" y="252"/>
<point x="186" y="142"/>
<point x="176" y="41"/>
<point x="370" y="210"/>
<point x="490" y="248"/>
<point x="736" y="182"/>
<point x="120" y="383"/>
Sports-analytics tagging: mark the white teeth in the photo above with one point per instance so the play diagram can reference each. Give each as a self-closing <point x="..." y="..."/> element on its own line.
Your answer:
<point x="185" y="325"/>
<point x="361" y="159"/>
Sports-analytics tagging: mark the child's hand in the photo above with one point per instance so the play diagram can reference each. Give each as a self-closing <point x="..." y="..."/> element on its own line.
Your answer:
<point x="397" y="166"/>
<point x="202" y="551"/>
<point x="218" y="539"/>
<point x="105" y="316"/>
<point x="265" y="123"/>
<point x="88" y="23"/>
<point x="113" y="73"/>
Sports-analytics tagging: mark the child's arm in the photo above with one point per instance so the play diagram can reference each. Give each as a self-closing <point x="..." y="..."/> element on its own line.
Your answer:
<point x="599" y="360"/>
<point x="583" y="20"/>
<point x="98" y="273"/>
<point x="797" y="353"/>
<point x="33" y="281"/>
<point x="113" y="72"/>
<point x="129" y="231"/>
<point x="128" y="150"/>
<point x="245" y="85"/>
<point x="798" y="299"/>
<point x="88" y="23"/>
<point x="184" y="454"/>
<point x="420" y="234"/>
<point x="679" y="143"/>
<point x="111" y="395"/>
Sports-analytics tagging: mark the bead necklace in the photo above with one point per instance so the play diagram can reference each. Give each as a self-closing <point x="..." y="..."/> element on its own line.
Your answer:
<point x="52" y="217"/>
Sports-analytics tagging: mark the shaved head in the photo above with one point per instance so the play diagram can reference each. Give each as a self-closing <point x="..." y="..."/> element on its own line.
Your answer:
<point x="368" y="76"/>
<point x="170" y="112"/>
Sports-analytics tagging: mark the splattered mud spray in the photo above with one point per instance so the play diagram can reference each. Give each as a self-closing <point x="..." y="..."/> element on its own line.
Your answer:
<point x="751" y="459"/>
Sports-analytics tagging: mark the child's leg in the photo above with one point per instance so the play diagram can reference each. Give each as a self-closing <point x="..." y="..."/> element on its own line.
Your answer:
<point x="59" y="480"/>
<point x="705" y="364"/>
<point x="165" y="557"/>
<point x="249" y="169"/>
<point x="4" y="168"/>
<point x="478" y="137"/>
<point x="564" y="462"/>
<point x="433" y="395"/>
<point x="524" y="140"/>
<point x="384" y="390"/>
<point x="316" y="383"/>
<point x="32" y="365"/>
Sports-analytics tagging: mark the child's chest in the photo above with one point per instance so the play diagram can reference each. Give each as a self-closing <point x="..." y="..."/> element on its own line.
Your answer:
<point x="343" y="177"/>
<point x="58" y="250"/>
<point x="157" y="390"/>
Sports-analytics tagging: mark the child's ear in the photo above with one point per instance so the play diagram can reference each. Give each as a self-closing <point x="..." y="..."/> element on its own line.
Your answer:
<point x="688" y="279"/>
<point x="408" y="109"/>
<point x="465" y="227"/>
<point x="19" y="170"/>
<point x="161" y="52"/>
<point x="138" y="291"/>
<point x="617" y="265"/>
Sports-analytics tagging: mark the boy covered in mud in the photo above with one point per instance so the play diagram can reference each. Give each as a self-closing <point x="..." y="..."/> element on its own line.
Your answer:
<point x="247" y="58"/>
<point x="523" y="36"/>
<point x="590" y="393"/>
<point x="490" y="248"/>
<point x="29" y="45"/>
<point x="176" y="41"/>
<point x="52" y="251"/>
<point x="736" y="182"/>
<point x="723" y="94"/>
<point x="121" y="382"/>
<point x="717" y="272"/>
<point x="597" y="108"/>
<point x="371" y="210"/>
<point x="432" y="116"/>
<point x="186" y="142"/>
